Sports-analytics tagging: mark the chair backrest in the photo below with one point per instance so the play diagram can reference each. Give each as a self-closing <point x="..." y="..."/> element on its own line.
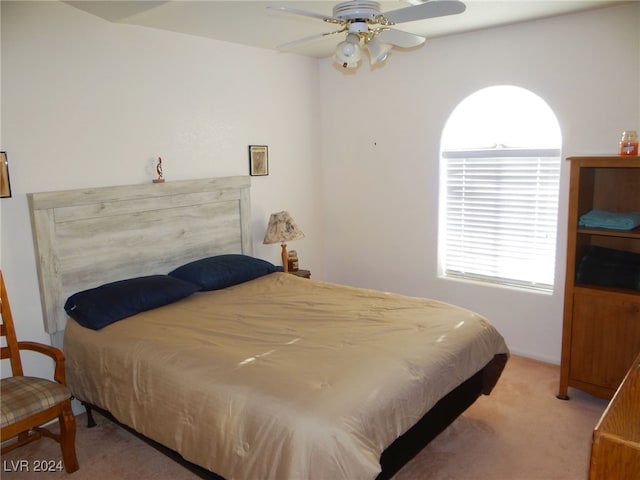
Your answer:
<point x="8" y="332"/>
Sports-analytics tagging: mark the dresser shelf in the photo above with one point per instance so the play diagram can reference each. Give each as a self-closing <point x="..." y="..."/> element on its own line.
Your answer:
<point x="635" y="233"/>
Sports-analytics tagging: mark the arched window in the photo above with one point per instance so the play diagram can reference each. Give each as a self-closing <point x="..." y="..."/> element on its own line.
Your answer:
<point x="500" y="172"/>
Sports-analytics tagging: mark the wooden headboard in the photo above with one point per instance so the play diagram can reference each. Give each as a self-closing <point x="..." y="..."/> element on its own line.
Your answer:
<point x="87" y="237"/>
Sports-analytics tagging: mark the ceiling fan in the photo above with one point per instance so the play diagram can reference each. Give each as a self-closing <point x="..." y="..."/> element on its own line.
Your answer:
<point x="367" y="26"/>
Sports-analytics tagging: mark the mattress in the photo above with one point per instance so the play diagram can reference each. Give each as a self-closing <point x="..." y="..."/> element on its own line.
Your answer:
<point x="280" y="377"/>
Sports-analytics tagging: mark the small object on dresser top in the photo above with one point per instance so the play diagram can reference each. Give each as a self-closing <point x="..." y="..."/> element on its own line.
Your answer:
<point x="611" y="220"/>
<point x="629" y="143"/>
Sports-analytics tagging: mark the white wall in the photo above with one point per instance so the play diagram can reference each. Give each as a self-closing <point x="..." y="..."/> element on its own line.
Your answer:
<point x="380" y="169"/>
<point x="89" y="103"/>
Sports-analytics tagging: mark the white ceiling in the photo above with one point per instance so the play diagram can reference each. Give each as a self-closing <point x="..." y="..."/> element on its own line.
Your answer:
<point x="251" y="23"/>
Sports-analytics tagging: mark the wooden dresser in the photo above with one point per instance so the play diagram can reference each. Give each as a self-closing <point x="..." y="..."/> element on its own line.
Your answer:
<point x="601" y="326"/>
<point x="615" y="453"/>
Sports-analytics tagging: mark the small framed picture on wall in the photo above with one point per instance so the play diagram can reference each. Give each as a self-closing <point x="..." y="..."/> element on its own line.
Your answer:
<point x="5" y="185"/>
<point x="258" y="160"/>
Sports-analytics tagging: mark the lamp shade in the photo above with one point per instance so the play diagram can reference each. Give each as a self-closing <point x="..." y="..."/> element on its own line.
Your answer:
<point x="282" y="228"/>
<point x="348" y="52"/>
<point x="378" y="51"/>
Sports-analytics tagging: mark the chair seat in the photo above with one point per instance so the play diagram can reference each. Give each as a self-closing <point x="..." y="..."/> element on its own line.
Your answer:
<point x="25" y="396"/>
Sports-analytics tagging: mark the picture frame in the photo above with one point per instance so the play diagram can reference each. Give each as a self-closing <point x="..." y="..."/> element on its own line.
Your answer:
<point x="5" y="184"/>
<point x="258" y="160"/>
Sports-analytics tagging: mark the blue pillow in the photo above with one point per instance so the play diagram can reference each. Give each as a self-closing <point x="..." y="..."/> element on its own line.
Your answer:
<point x="98" y="307"/>
<point x="221" y="271"/>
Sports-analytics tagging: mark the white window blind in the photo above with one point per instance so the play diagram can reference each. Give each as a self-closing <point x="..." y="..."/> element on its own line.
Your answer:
<point x="501" y="215"/>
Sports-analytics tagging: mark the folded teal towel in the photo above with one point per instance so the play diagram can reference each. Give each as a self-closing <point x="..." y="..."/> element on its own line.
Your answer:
<point x="612" y="220"/>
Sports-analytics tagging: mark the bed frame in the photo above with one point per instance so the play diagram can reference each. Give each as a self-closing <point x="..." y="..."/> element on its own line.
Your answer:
<point x="87" y="237"/>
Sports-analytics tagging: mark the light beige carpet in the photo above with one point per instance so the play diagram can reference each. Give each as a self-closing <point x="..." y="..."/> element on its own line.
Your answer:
<point x="520" y="432"/>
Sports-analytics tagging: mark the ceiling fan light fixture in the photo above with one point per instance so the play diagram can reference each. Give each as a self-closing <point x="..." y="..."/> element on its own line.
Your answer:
<point x="378" y="51"/>
<point x="365" y="19"/>
<point x="348" y="53"/>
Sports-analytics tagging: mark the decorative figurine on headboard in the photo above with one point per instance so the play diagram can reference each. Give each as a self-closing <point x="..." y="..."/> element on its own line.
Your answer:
<point x="160" y="178"/>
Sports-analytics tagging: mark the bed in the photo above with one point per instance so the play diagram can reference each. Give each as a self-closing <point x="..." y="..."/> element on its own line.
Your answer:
<point x="252" y="373"/>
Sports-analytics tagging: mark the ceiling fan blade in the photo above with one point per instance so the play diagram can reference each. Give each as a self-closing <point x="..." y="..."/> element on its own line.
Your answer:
<point x="306" y="13"/>
<point x="300" y="41"/>
<point x="400" y="38"/>
<point x="430" y="9"/>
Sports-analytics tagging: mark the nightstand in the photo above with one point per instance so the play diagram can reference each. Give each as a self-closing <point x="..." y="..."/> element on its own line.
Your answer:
<point x="300" y="273"/>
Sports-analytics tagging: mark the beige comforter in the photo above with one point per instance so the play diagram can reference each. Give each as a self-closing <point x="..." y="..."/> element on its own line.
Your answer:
<point x="280" y="377"/>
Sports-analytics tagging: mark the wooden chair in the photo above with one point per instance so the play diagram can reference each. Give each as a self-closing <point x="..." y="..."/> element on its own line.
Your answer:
<point x="28" y="402"/>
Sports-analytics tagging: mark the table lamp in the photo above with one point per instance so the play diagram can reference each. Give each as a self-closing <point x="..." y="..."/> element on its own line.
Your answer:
<point x="282" y="228"/>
